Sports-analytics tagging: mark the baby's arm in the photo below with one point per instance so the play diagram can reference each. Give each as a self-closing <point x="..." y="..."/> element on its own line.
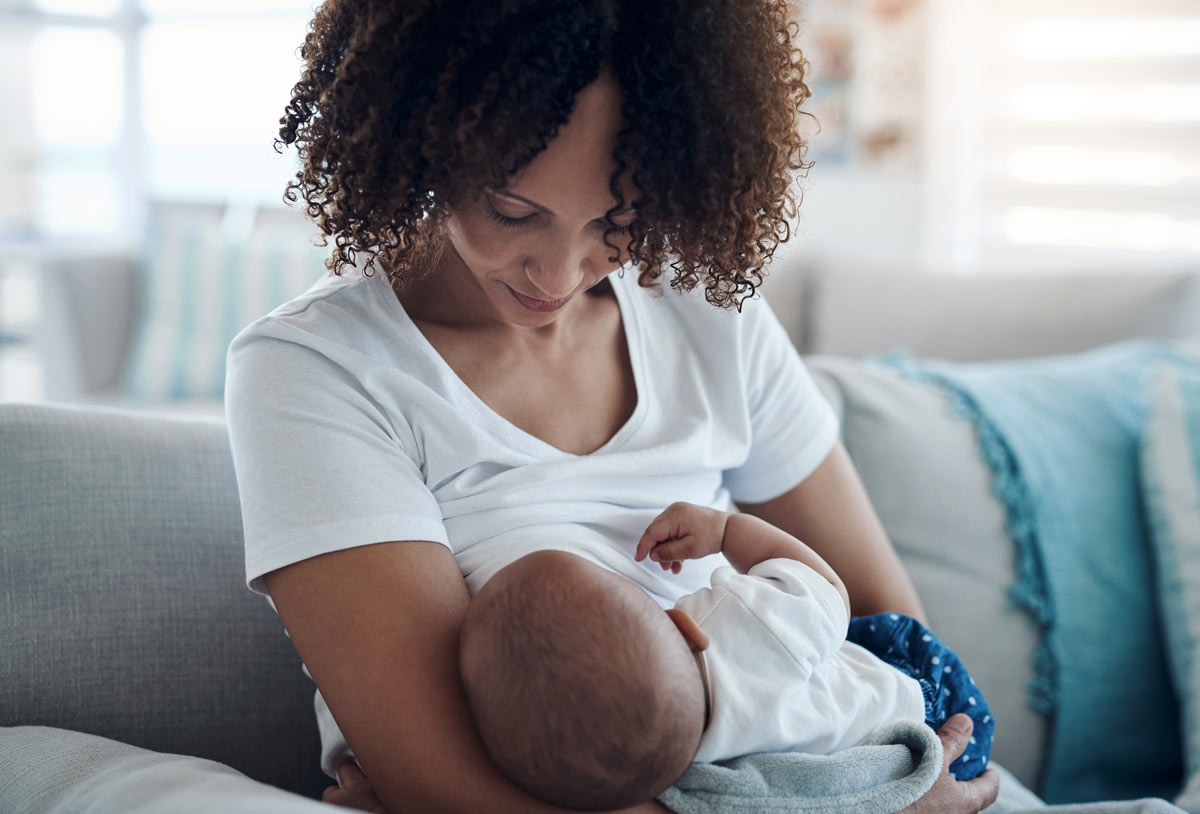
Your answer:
<point x="687" y="531"/>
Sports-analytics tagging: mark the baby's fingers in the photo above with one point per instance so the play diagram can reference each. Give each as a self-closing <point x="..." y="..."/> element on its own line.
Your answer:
<point x="674" y="567"/>
<point x="661" y="528"/>
<point x="672" y="551"/>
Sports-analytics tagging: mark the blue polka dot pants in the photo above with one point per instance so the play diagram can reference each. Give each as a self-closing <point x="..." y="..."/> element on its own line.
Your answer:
<point x="906" y="644"/>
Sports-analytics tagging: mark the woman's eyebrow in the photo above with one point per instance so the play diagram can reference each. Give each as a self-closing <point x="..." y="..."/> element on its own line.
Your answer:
<point x="536" y="205"/>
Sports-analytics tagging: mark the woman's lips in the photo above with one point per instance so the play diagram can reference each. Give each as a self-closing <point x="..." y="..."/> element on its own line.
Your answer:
<point x="533" y="304"/>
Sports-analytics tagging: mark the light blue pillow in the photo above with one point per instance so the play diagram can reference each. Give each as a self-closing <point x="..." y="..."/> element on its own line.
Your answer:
<point x="1061" y="435"/>
<point x="198" y="288"/>
<point x="1170" y="458"/>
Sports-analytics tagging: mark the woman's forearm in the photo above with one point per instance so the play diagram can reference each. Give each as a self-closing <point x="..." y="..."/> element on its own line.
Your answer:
<point x="377" y="626"/>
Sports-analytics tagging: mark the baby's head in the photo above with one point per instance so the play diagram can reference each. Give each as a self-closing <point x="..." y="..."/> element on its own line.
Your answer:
<point x="583" y="689"/>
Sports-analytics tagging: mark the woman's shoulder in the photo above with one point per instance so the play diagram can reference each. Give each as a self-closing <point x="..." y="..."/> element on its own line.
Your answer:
<point x="670" y="311"/>
<point x="347" y="312"/>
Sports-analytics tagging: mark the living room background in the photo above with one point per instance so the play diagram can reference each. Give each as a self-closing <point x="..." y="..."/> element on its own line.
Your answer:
<point x="960" y="136"/>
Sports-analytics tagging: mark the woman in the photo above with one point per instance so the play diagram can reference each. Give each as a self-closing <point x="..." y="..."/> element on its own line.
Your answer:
<point x="399" y="438"/>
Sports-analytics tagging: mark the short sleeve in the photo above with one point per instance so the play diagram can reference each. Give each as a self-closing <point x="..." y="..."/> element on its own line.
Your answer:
<point x="320" y="466"/>
<point x="793" y="427"/>
<point x="796" y="607"/>
<point x="797" y="580"/>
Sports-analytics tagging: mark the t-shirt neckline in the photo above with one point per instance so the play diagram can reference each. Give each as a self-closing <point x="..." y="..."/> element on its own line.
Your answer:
<point x="512" y="431"/>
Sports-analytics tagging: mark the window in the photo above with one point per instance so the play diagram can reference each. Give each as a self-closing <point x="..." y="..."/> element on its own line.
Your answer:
<point x="1063" y="134"/>
<point x="119" y="101"/>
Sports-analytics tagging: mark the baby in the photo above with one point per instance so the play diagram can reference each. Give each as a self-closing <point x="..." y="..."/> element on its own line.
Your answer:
<point x="589" y="696"/>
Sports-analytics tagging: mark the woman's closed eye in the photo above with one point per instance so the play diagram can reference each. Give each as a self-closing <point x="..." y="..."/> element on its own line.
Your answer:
<point x="505" y="220"/>
<point x="508" y="220"/>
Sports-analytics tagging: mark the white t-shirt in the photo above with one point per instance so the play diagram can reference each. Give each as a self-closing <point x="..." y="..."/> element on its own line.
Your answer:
<point x="781" y="675"/>
<point x="348" y="428"/>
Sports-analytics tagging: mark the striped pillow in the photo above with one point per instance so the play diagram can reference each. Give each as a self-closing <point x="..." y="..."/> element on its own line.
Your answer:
<point x="198" y="288"/>
<point x="1170" y="458"/>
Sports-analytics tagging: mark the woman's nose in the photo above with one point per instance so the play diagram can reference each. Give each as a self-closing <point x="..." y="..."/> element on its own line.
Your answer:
<point x="558" y="274"/>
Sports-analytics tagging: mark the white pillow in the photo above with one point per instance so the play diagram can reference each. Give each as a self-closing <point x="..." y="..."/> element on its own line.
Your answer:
<point x="56" y="771"/>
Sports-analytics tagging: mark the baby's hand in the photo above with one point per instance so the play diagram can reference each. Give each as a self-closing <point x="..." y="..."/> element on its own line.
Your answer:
<point x="684" y="531"/>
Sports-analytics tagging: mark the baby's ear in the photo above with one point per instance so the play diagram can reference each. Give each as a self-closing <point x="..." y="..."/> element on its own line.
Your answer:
<point x="696" y="638"/>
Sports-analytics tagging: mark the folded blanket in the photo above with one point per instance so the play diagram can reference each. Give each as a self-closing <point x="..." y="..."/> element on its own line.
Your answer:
<point x="882" y="776"/>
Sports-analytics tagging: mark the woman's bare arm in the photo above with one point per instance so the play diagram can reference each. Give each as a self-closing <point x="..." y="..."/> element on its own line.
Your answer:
<point x="831" y="513"/>
<point x="378" y="627"/>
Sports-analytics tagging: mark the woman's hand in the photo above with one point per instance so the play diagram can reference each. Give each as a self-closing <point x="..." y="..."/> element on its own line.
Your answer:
<point x="957" y="796"/>
<point x="355" y="792"/>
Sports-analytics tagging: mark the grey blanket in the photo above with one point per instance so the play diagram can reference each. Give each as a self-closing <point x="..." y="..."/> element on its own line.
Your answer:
<point x="886" y="774"/>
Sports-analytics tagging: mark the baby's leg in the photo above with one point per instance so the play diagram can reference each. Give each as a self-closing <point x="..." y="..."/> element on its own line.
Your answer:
<point x="906" y="644"/>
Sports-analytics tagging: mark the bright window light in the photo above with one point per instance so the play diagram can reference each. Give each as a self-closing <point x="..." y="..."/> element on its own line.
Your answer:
<point x="1138" y="231"/>
<point x="18" y="298"/>
<point x="89" y="8"/>
<point x="256" y="173"/>
<point x="1075" y="165"/>
<point x="1109" y="39"/>
<point x="21" y="376"/>
<point x="1147" y="103"/>
<point x="194" y="98"/>
<point x="79" y="201"/>
<point x="78" y="95"/>
<point x="176" y="8"/>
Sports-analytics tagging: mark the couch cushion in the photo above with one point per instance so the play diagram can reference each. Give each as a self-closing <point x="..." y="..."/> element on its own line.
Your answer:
<point x="920" y="464"/>
<point x="125" y="611"/>
<point x="53" y="771"/>
<point x="1061" y="435"/>
<point x="1170" y="461"/>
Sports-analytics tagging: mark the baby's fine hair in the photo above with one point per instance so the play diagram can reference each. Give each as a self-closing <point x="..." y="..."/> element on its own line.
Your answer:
<point x="583" y="692"/>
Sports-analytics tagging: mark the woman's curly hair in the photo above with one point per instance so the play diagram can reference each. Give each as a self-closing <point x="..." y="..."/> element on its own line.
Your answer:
<point x="406" y="107"/>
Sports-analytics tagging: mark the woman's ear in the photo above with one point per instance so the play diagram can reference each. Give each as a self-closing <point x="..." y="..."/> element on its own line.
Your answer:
<point x="696" y="638"/>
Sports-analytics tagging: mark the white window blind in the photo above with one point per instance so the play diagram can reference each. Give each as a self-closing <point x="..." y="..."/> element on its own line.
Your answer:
<point x="1064" y="134"/>
<point x="113" y="102"/>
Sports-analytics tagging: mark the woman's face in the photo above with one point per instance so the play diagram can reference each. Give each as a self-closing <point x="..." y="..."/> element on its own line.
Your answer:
<point x="533" y="247"/>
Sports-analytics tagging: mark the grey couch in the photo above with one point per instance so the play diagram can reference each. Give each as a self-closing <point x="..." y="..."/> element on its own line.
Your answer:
<point x="126" y="613"/>
<point x="127" y="617"/>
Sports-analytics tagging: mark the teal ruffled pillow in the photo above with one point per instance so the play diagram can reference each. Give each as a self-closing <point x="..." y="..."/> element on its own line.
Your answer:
<point x="1062" y="436"/>
<point x="1170" y="458"/>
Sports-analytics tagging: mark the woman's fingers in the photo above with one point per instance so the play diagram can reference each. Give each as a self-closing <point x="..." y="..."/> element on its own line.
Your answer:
<point x="950" y="796"/>
<point x="980" y="792"/>
<point x="955" y="734"/>
<point x="355" y="791"/>
<point x="983" y="790"/>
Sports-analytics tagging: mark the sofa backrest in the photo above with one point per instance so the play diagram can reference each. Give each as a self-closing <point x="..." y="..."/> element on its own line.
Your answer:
<point x="848" y="309"/>
<point x="122" y="573"/>
<point x="920" y="463"/>
<point x="126" y="614"/>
